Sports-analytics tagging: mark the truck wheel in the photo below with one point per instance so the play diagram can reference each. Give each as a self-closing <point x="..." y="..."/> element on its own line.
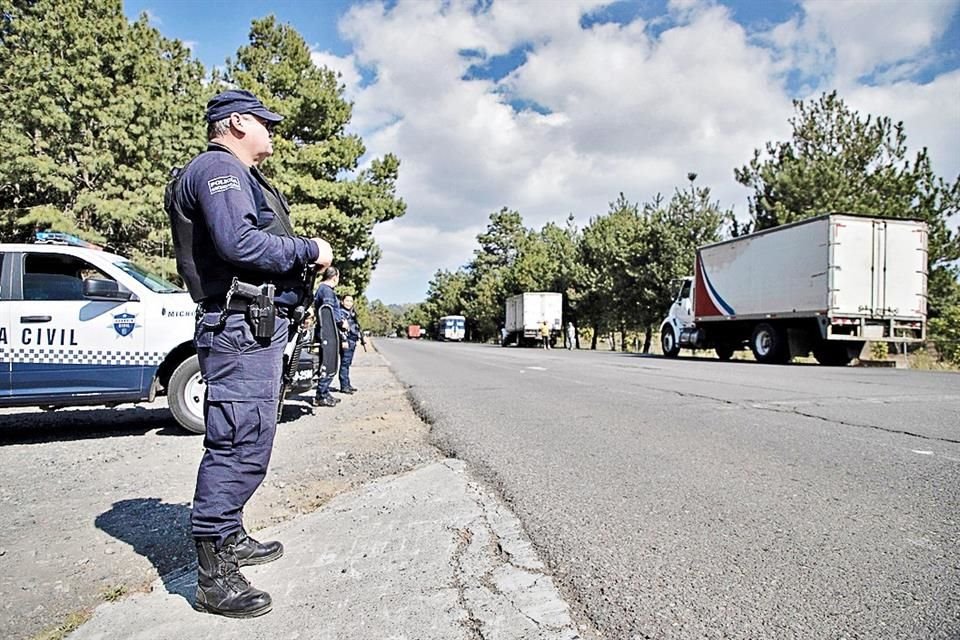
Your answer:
<point x="668" y="342"/>
<point x="185" y="395"/>
<point x="768" y="345"/>
<point x="724" y="351"/>
<point x="832" y="354"/>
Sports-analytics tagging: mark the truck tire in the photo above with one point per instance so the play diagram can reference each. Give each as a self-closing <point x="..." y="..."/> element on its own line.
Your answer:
<point x="185" y="395"/>
<point x="832" y="354"/>
<point x="724" y="351"/>
<point x="668" y="342"/>
<point x="769" y="344"/>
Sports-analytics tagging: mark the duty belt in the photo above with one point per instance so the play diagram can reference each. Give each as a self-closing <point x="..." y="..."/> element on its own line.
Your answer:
<point x="255" y="300"/>
<point x="216" y="304"/>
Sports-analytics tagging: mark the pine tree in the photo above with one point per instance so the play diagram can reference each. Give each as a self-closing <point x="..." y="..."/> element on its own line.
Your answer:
<point x="97" y="112"/>
<point x="315" y="162"/>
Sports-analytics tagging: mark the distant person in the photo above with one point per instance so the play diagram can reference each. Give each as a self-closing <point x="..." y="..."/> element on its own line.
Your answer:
<point x="503" y="334"/>
<point x="326" y="295"/>
<point x="545" y="334"/>
<point x="352" y="333"/>
<point x="571" y="335"/>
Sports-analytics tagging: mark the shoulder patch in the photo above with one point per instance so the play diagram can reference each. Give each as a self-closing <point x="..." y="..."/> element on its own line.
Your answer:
<point x="223" y="183"/>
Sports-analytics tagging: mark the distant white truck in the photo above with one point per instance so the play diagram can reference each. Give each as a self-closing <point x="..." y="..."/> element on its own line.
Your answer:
<point x="823" y="285"/>
<point x="526" y="311"/>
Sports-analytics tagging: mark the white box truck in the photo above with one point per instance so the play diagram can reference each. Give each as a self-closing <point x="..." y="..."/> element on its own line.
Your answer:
<point x="826" y="285"/>
<point x="525" y="312"/>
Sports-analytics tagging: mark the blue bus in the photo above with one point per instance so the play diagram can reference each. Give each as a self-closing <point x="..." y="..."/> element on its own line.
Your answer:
<point x="451" y="328"/>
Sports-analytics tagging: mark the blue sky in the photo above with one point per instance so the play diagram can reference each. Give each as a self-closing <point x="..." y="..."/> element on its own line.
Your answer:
<point x="553" y="107"/>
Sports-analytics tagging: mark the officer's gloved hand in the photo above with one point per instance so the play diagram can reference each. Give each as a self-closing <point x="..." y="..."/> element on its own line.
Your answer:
<point x="325" y="259"/>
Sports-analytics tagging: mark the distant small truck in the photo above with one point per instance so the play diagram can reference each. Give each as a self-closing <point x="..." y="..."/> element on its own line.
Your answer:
<point x="524" y="314"/>
<point x="826" y="285"/>
<point x="451" y="328"/>
<point x="413" y="331"/>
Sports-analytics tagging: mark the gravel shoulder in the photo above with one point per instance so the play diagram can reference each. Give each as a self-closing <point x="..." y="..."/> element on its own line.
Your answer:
<point x="96" y="502"/>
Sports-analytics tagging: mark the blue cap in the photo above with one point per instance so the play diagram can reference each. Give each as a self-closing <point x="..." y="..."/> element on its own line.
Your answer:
<point x="238" y="101"/>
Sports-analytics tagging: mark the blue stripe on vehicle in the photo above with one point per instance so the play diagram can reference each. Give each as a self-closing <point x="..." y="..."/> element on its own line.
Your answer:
<point x="28" y="378"/>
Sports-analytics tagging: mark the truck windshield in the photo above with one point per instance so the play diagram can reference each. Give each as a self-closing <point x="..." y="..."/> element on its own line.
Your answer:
<point x="150" y="280"/>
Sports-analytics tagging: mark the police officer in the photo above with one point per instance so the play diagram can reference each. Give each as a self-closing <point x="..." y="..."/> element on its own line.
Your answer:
<point x="230" y="224"/>
<point x="352" y="334"/>
<point x="326" y="296"/>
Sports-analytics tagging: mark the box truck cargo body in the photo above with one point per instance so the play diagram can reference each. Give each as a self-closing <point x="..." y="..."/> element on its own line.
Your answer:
<point x="826" y="285"/>
<point x="525" y="312"/>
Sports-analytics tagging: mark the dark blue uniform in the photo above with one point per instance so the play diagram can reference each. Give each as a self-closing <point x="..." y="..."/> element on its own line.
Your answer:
<point x="326" y="295"/>
<point x="228" y="221"/>
<point x="352" y="334"/>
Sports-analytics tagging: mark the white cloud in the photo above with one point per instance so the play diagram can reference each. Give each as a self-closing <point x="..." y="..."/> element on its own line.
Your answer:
<point x="410" y="251"/>
<point x="869" y="35"/>
<point x="633" y="109"/>
<point x="930" y="113"/>
<point x="344" y="66"/>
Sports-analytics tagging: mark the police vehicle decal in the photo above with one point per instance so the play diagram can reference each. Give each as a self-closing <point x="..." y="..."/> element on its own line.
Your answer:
<point x="123" y="323"/>
<point x="177" y="313"/>
<point x="33" y="355"/>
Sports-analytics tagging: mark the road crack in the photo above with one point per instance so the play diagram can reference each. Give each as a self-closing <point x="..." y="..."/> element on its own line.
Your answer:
<point x="795" y="411"/>
<point x="845" y="423"/>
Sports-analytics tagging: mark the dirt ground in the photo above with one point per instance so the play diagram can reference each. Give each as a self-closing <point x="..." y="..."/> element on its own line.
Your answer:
<point x="95" y="503"/>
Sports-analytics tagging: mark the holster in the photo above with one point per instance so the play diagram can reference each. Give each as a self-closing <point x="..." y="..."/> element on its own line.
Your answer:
<point x="261" y="311"/>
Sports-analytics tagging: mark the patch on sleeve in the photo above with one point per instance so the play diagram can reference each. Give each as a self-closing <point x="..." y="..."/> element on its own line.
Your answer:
<point x="223" y="183"/>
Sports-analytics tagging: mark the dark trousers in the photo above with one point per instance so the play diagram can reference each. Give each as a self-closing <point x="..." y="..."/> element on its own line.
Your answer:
<point x="323" y="384"/>
<point x="240" y="411"/>
<point x="346" y="359"/>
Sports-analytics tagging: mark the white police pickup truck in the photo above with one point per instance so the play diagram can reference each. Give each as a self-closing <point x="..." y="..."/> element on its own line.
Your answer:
<point x="80" y="326"/>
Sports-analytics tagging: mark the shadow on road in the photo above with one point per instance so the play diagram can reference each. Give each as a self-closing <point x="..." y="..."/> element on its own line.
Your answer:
<point x="711" y="359"/>
<point x="297" y="406"/>
<point x="160" y="532"/>
<point x="36" y="426"/>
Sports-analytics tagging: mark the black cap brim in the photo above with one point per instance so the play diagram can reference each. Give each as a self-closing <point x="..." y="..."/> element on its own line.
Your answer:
<point x="266" y="114"/>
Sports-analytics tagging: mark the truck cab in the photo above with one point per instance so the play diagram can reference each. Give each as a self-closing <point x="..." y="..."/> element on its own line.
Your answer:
<point x="679" y="321"/>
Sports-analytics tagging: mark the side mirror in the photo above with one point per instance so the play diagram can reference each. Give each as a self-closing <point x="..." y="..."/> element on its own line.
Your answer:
<point x="99" y="289"/>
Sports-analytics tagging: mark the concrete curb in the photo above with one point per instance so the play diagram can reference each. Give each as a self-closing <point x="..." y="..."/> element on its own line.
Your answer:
<point x="425" y="555"/>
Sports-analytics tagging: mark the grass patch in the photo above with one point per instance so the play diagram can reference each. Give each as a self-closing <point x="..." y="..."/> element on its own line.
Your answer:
<point x="112" y="594"/>
<point x="71" y="624"/>
<point x="923" y="359"/>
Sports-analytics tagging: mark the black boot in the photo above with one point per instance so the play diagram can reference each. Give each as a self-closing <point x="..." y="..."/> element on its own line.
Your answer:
<point x="250" y="551"/>
<point x="221" y="588"/>
<point x="325" y="401"/>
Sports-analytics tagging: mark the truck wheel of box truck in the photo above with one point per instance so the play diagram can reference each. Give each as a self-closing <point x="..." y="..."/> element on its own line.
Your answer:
<point x="833" y="354"/>
<point x="724" y="351"/>
<point x="668" y="342"/>
<point x="185" y="395"/>
<point x="769" y="344"/>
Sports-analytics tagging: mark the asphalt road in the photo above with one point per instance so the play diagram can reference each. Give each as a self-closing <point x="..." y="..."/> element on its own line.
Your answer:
<point x="700" y="499"/>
